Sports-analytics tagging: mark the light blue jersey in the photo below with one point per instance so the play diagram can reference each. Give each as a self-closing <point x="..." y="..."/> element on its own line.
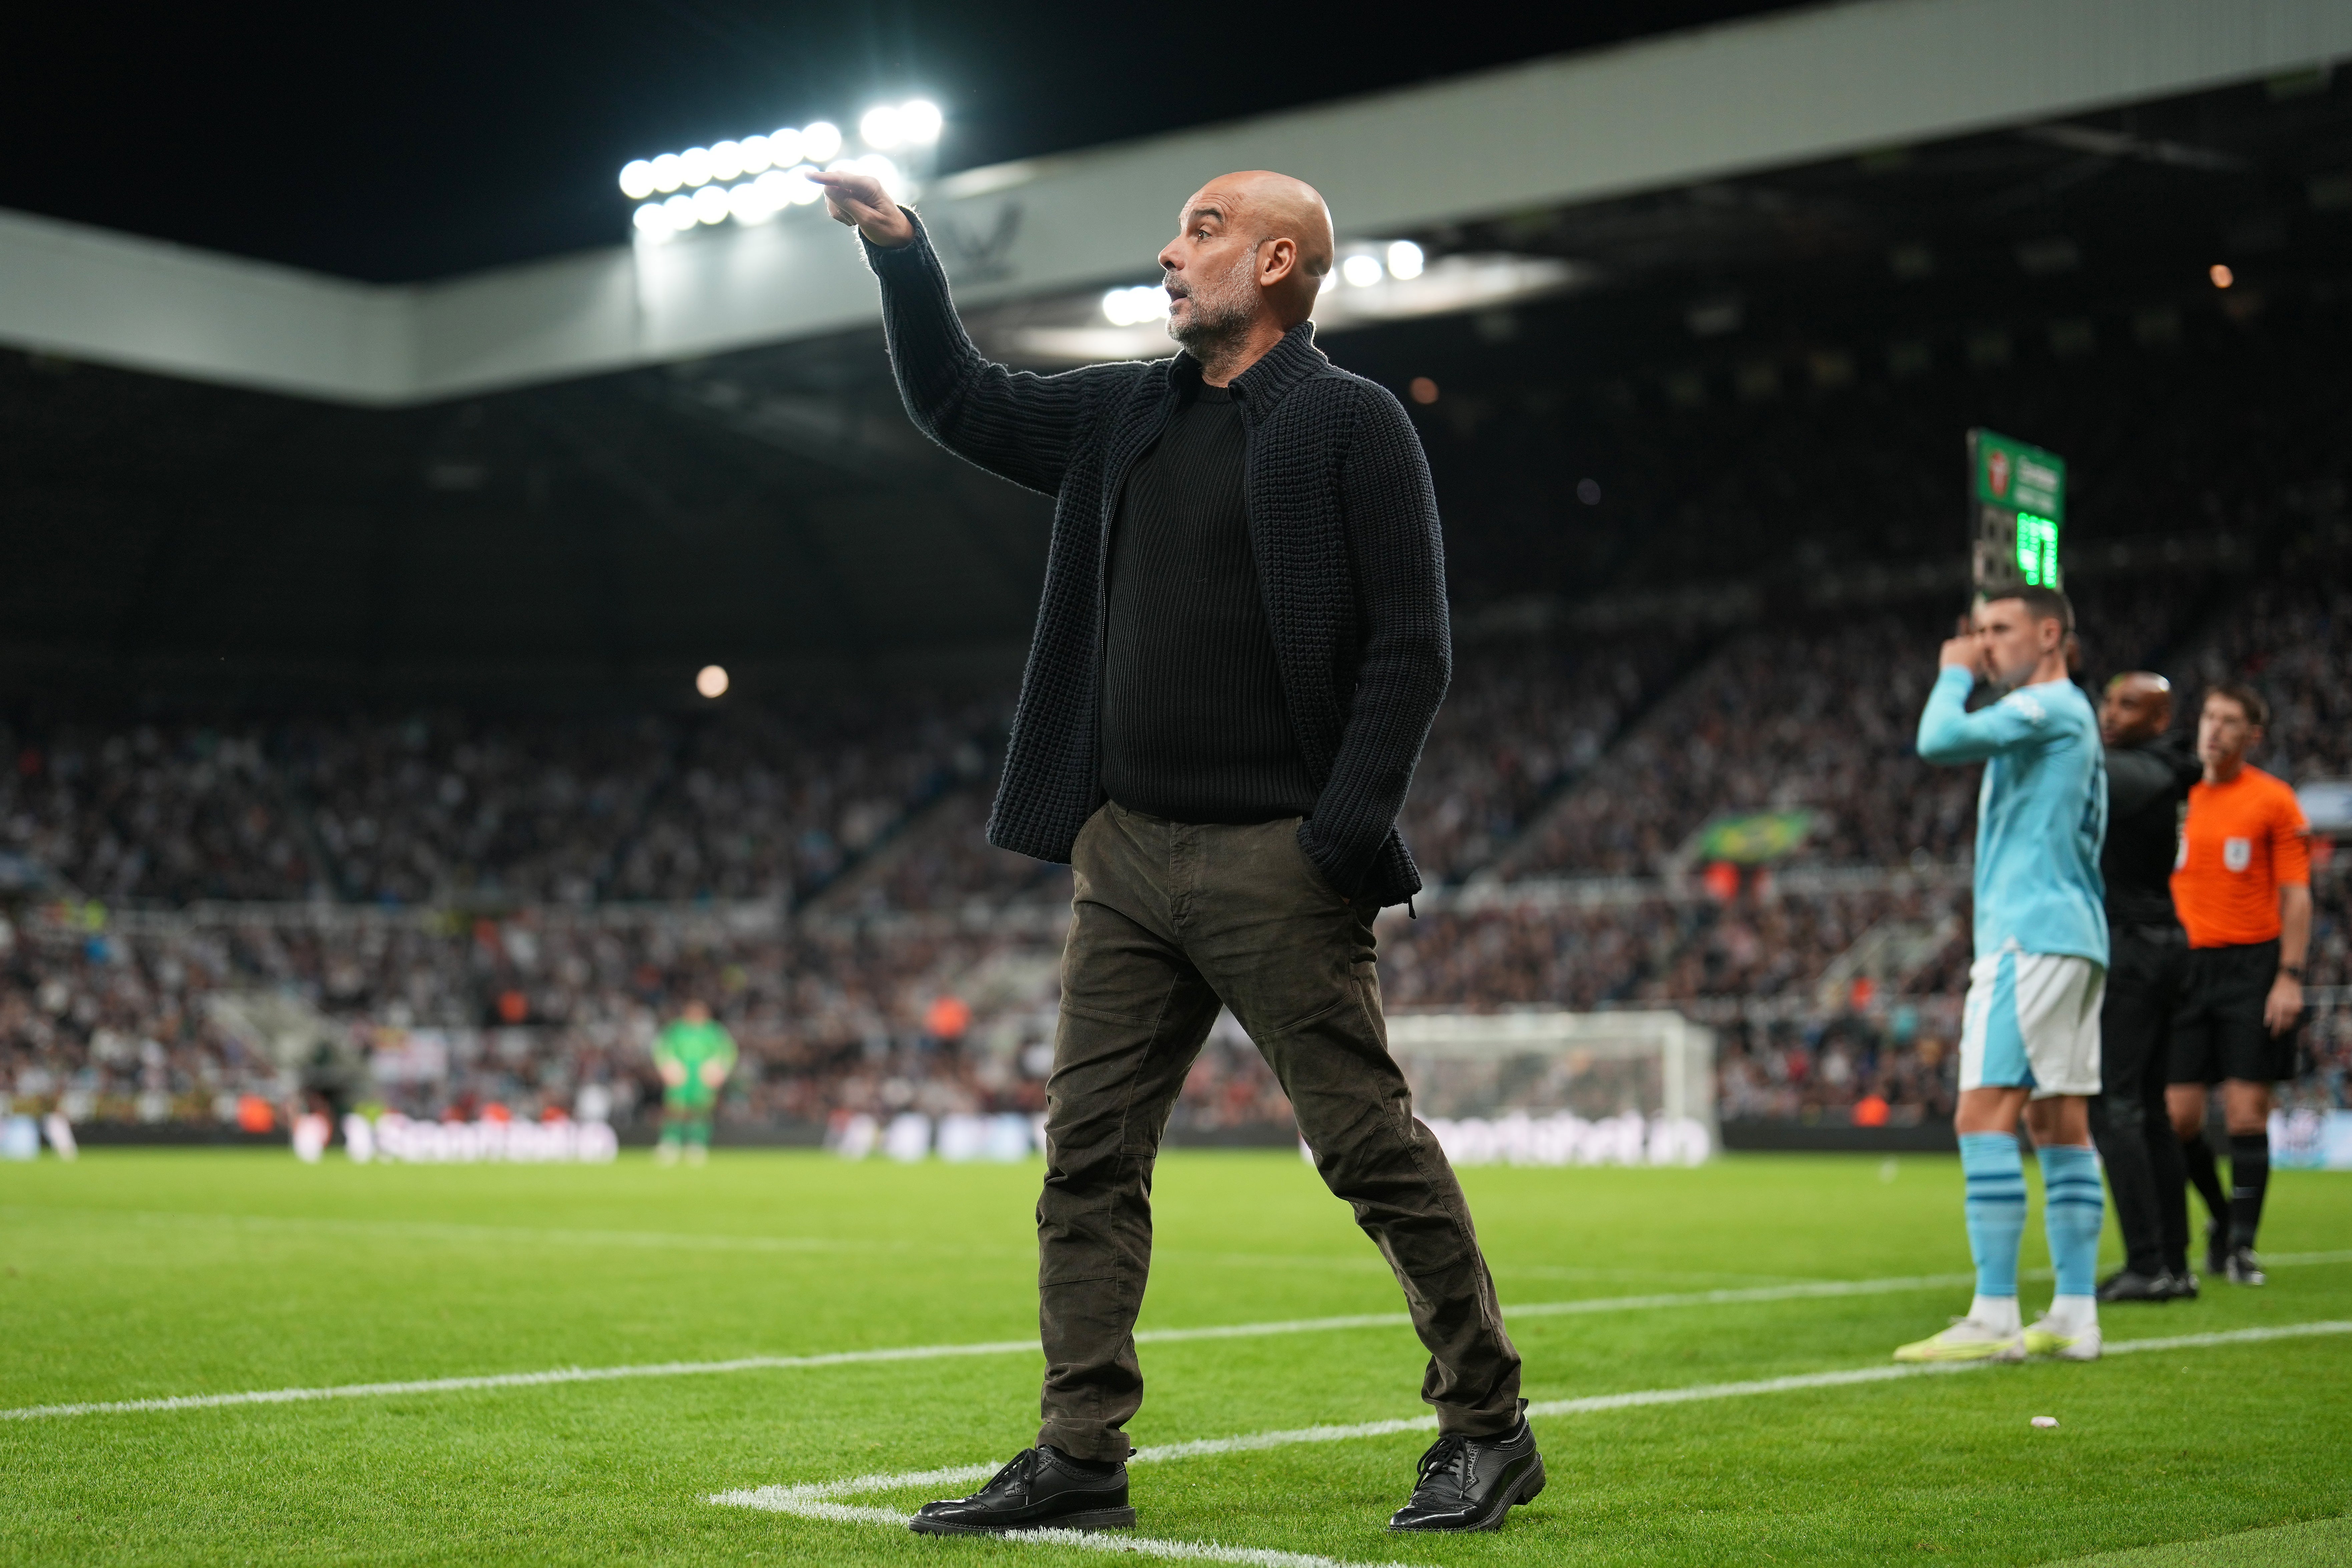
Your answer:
<point x="2041" y="816"/>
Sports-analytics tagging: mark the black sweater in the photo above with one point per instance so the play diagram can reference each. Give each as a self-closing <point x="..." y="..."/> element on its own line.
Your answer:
<point x="1342" y="522"/>
<point x="1193" y="723"/>
<point x="2145" y="784"/>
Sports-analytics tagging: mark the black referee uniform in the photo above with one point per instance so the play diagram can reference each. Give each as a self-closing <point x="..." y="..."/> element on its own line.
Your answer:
<point x="2147" y="966"/>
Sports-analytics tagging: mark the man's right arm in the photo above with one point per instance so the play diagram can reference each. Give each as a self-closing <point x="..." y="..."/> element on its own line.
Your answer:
<point x="1016" y="425"/>
<point x="1950" y="734"/>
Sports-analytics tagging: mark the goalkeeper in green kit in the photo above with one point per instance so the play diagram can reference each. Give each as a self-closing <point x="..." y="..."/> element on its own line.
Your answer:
<point x="694" y="1057"/>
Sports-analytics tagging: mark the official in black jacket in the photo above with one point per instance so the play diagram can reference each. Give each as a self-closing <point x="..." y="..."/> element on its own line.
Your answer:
<point x="2148" y="779"/>
<point x="1241" y="642"/>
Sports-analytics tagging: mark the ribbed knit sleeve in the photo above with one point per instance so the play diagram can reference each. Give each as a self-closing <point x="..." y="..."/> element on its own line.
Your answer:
<point x="1397" y="559"/>
<point x="1016" y="425"/>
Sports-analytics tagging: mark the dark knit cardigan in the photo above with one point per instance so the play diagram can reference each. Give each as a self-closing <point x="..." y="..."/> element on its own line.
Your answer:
<point x="1343" y="524"/>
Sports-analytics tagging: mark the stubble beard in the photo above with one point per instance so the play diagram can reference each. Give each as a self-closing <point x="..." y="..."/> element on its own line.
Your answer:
<point x="1220" y="314"/>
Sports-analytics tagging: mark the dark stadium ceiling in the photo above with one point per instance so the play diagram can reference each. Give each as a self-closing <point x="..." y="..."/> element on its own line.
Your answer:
<point x="773" y="509"/>
<point x="399" y="143"/>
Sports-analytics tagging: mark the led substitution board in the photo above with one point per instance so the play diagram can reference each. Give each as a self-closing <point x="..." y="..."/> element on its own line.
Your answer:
<point x="2017" y="497"/>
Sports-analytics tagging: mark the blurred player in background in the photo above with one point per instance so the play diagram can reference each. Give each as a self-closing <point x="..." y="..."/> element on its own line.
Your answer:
<point x="2243" y="887"/>
<point x="694" y="1056"/>
<point x="2148" y="776"/>
<point x="2030" y="1038"/>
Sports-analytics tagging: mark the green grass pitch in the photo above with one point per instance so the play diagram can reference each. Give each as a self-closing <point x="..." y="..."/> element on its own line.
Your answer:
<point x="135" y="1275"/>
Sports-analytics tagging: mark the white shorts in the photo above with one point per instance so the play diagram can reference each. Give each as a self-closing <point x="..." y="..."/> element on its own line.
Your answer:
<point x="2032" y="1021"/>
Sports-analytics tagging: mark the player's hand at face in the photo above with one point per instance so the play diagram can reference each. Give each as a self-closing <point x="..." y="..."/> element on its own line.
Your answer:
<point x="1963" y="652"/>
<point x="860" y="201"/>
<point x="2284" y="1005"/>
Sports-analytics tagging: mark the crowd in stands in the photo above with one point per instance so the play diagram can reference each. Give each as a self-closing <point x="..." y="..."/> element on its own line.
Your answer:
<point x="507" y="909"/>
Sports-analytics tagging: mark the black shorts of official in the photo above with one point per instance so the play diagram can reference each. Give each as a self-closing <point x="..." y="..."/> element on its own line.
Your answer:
<point x="2219" y="1031"/>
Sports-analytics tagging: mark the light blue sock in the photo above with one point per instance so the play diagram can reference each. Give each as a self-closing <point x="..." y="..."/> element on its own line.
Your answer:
<point x="1996" y="1208"/>
<point x="2071" y="1209"/>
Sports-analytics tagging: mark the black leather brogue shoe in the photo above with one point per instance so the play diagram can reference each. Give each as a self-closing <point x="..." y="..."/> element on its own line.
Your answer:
<point x="1040" y="1489"/>
<point x="1470" y="1483"/>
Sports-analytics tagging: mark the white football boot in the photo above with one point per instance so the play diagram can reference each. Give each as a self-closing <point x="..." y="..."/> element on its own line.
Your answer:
<point x="1966" y="1340"/>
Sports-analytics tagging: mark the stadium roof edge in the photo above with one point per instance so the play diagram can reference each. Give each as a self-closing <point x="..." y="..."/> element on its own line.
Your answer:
<point x="1784" y="89"/>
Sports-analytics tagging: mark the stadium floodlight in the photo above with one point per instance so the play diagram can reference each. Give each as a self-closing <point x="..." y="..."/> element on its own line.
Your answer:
<point x="921" y="120"/>
<point x="711" y="681"/>
<point x="880" y="127"/>
<point x="1404" y="259"/>
<point x="1134" y="307"/>
<point x="1361" y="270"/>
<point x="750" y="203"/>
<point x="754" y="179"/>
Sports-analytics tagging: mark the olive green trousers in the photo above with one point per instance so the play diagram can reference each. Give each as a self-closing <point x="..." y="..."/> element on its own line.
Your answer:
<point x="1168" y="921"/>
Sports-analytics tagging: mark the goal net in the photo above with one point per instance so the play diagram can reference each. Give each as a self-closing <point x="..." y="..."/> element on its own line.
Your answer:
<point x="1555" y="1088"/>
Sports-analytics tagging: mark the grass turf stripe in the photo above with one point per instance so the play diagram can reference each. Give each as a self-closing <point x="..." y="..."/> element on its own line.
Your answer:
<point x="935" y="1353"/>
<point x="488" y="1381"/>
<point x="817" y="1499"/>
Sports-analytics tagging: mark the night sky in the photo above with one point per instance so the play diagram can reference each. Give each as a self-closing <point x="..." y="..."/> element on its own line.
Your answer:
<point x="394" y="144"/>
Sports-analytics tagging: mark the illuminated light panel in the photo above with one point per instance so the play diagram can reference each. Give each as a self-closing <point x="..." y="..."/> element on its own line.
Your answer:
<point x="752" y="180"/>
<point x="1134" y="307"/>
<point x="2037" y="550"/>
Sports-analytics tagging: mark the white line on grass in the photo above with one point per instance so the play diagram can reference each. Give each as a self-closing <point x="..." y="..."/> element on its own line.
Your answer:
<point x="819" y="1499"/>
<point x="1809" y="1290"/>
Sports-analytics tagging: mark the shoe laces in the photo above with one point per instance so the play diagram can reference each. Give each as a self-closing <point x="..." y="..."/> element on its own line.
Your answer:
<point x="1451" y="1453"/>
<point x="1022" y="1467"/>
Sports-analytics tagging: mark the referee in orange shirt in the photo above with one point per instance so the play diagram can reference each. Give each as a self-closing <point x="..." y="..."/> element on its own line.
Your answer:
<point x="2243" y="889"/>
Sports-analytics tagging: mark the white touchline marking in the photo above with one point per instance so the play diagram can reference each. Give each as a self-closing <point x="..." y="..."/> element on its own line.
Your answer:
<point x="819" y="1499"/>
<point x="1808" y="1290"/>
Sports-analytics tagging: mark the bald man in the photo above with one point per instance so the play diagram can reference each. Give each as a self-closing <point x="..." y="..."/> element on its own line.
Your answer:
<point x="2147" y="781"/>
<point x="1242" y="643"/>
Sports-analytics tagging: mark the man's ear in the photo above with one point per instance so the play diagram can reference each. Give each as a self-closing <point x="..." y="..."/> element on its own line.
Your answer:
<point x="1280" y="259"/>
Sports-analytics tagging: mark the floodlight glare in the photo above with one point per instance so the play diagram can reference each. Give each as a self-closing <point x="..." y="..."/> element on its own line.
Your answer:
<point x="1404" y="260"/>
<point x="636" y="180"/>
<point x="653" y="221"/>
<point x="820" y="140"/>
<point x="756" y="155"/>
<point x="681" y="208"/>
<point x="802" y="193"/>
<point x="919" y="120"/>
<point x="1363" y="271"/>
<point x="670" y="171"/>
<point x="1134" y="307"/>
<point x="711" y="204"/>
<point x="711" y="681"/>
<point x="880" y="127"/>
<point x="694" y="164"/>
<point x="726" y="159"/>
<point x="749" y="203"/>
<point x="784" y="147"/>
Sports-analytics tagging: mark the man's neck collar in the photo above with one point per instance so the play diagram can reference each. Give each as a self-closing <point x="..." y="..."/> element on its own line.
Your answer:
<point x="1267" y="376"/>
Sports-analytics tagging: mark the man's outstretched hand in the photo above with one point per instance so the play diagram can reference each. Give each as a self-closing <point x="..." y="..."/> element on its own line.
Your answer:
<point x="860" y="201"/>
